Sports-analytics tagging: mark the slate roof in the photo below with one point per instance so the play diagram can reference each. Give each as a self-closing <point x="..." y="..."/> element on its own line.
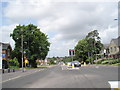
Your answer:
<point x="106" y="46"/>
<point x="5" y="45"/>
<point x="116" y="41"/>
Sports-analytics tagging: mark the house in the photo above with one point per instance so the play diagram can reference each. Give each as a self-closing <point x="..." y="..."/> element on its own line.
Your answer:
<point x="114" y="48"/>
<point x="0" y="55"/>
<point x="6" y="52"/>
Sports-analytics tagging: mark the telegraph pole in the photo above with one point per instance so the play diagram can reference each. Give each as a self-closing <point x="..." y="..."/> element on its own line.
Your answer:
<point x="22" y="51"/>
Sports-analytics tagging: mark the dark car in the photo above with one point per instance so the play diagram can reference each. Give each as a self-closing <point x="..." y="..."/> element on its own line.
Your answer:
<point x="76" y="63"/>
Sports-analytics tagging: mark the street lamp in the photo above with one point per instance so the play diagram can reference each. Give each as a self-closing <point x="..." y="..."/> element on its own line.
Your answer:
<point x="22" y="50"/>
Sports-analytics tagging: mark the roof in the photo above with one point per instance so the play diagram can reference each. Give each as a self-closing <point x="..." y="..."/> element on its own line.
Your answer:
<point x="5" y="45"/>
<point x="116" y="41"/>
<point x="106" y="46"/>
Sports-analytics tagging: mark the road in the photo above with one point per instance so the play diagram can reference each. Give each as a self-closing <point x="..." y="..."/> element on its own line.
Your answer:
<point x="63" y="77"/>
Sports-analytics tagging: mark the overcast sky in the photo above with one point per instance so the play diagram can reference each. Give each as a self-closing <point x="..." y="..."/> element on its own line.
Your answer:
<point x="65" y="22"/>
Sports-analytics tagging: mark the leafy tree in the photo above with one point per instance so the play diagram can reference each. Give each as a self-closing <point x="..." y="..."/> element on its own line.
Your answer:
<point x="93" y="34"/>
<point x="95" y="44"/>
<point x="35" y="43"/>
<point x="87" y="48"/>
<point x="81" y="50"/>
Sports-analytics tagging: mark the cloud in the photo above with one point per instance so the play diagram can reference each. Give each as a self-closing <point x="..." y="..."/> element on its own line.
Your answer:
<point x="65" y="22"/>
<point x="5" y="33"/>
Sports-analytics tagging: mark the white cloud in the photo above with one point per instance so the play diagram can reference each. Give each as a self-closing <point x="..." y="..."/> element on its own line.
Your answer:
<point x="66" y="22"/>
<point x="108" y="33"/>
<point x="6" y="30"/>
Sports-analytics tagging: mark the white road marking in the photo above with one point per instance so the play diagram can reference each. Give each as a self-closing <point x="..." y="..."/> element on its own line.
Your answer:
<point x="69" y="68"/>
<point x="75" y="68"/>
<point x="11" y="79"/>
<point x="20" y="76"/>
<point x="114" y="84"/>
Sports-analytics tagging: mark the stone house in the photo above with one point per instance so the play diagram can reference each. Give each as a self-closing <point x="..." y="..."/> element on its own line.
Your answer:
<point x="114" y="48"/>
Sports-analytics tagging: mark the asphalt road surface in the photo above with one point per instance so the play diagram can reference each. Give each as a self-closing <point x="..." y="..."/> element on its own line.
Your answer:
<point x="63" y="77"/>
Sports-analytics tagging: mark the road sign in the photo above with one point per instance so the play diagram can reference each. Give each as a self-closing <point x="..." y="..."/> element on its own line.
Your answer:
<point x="3" y="55"/>
<point x="71" y="52"/>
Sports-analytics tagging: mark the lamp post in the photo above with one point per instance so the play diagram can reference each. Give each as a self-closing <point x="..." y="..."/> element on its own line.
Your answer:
<point x="22" y="51"/>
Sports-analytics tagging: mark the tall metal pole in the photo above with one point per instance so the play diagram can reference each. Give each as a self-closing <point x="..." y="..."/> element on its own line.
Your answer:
<point x="72" y="58"/>
<point x="22" y="51"/>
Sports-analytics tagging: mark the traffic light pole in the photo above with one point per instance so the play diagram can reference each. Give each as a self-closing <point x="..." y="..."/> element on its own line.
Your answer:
<point x="72" y="58"/>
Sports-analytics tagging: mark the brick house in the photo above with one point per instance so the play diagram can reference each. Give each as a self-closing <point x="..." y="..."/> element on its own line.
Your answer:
<point x="6" y="52"/>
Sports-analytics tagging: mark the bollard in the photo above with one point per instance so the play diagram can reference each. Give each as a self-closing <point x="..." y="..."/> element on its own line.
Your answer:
<point x="3" y="71"/>
<point x="13" y="70"/>
<point x="72" y="65"/>
<point x="84" y="63"/>
<point x="8" y="70"/>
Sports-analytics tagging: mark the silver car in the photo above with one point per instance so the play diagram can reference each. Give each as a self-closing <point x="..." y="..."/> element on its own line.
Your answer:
<point x="76" y="63"/>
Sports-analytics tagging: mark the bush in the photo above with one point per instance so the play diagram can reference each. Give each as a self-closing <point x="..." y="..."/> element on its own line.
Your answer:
<point x="14" y="62"/>
<point x="99" y="62"/>
<point x="108" y="61"/>
<point x="105" y="62"/>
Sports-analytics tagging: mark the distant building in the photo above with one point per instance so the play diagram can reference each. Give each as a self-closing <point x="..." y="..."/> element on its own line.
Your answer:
<point x="114" y="48"/>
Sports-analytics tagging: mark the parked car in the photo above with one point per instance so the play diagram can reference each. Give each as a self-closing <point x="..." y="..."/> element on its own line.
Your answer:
<point x="76" y="63"/>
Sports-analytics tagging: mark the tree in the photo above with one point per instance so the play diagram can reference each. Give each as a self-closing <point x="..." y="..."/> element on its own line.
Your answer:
<point x="88" y="48"/>
<point x="93" y="34"/>
<point x="81" y="50"/>
<point x="95" y="44"/>
<point x="35" y="43"/>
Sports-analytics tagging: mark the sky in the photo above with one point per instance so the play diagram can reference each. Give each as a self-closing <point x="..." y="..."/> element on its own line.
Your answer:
<point x="64" y="21"/>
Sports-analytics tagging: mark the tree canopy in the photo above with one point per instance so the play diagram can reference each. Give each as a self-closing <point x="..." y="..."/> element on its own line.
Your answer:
<point x="35" y="42"/>
<point x="89" y="46"/>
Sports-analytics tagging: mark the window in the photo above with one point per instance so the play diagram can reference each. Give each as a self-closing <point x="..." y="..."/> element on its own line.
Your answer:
<point x="111" y="49"/>
<point x="115" y="48"/>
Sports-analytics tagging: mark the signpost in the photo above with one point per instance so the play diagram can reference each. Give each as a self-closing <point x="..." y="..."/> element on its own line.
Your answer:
<point x="71" y="53"/>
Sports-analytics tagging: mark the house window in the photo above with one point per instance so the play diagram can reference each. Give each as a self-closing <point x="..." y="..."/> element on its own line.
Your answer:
<point x="115" y="48"/>
<point x="8" y="52"/>
<point x="111" y="49"/>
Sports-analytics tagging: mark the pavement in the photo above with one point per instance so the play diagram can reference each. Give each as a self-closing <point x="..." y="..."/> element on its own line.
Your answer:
<point x="61" y="76"/>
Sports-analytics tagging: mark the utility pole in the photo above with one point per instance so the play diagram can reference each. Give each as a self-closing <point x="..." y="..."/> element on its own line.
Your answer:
<point x="22" y="51"/>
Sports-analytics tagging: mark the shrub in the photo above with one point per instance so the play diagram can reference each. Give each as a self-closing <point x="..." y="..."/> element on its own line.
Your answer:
<point x="99" y="62"/>
<point x="14" y="62"/>
<point x="105" y="62"/>
<point x="108" y="61"/>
